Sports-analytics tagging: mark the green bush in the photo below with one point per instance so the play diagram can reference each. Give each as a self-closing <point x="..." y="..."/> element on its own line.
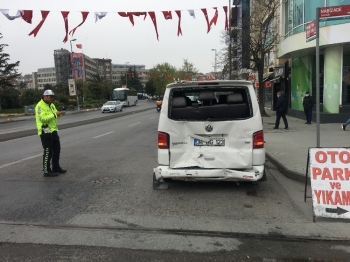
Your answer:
<point x="12" y="111"/>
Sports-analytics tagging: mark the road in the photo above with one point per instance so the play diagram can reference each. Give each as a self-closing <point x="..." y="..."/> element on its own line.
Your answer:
<point x="106" y="201"/>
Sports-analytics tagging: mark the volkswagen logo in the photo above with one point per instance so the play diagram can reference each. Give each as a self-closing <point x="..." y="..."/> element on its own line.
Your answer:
<point x="208" y="128"/>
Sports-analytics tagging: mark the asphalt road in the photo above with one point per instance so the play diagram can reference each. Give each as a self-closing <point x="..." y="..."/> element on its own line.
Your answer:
<point x="105" y="201"/>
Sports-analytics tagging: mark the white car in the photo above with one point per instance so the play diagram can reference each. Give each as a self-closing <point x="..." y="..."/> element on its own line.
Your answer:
<point x="112" y="106"/>
<point x="216" y="137"/>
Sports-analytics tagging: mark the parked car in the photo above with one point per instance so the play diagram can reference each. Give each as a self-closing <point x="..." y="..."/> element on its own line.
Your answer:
<point x="210" y="131"/>
<point x="112" y="106"/>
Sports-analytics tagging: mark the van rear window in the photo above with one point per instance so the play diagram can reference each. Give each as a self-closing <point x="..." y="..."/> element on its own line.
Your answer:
<point x="215" y="104"/>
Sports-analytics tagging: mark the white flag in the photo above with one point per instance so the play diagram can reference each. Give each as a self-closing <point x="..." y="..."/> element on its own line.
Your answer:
<point x="11" y="17"/>
<point x="191" y="11"/>
<point x="99" y="15"/>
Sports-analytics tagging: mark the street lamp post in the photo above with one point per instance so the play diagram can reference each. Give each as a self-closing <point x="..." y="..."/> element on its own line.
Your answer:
<point x="126" y="75"/>
<point x="72" y="73"/>
<point x="215" y="63"/>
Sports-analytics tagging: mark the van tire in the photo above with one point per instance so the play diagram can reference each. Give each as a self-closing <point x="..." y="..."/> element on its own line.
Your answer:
<point x="264" y="177"/>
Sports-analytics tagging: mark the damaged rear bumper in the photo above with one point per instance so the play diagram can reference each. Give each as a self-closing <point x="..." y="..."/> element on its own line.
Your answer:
<point x="212" y="174"/>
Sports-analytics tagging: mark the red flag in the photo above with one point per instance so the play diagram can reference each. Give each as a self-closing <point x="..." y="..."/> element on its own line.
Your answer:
<point x="167" y="15"/>
<point x="179" y="31"/>
<point x="154" y="20"/>
<point x="84" y="14"/>
<point x="35" y="31"/>
<point x="27" y="15"/>
<point x="206" y="18"/>
<point x="226" y="19"/>
<point x="131" y="15"/>
<point x="215" y="17"/>
<point x="65" y="18"/>
<point x="80" y="46"/>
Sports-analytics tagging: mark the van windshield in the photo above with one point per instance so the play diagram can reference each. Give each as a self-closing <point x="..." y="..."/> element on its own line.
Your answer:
<point x="214" y="104"/>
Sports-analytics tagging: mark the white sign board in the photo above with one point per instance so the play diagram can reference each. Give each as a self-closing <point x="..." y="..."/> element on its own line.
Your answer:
<point x="329" y="170"/>
<point x="71" y="86"/>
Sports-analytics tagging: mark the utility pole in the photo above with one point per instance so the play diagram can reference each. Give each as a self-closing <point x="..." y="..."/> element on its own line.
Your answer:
<point x="72" y="73"/>
<point x="215" y="64"/>
<point x="126" y="75"/>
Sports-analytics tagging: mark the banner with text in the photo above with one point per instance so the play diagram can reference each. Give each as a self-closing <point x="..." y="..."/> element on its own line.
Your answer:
<point x="329" y="171"/>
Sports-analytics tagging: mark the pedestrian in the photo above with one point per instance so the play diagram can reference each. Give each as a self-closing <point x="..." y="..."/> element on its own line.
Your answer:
<point x="46" y="116"/>
<point x="281" y="109"/>
<point x="308" y="103"/>
<point x="343" y="126"/>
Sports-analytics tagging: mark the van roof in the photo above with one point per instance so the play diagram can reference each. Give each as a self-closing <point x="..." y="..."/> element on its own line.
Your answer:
<point x="185" y="84"/>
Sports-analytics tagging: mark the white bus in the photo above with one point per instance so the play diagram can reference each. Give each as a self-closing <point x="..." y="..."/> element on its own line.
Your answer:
<point x="126" y="96"/>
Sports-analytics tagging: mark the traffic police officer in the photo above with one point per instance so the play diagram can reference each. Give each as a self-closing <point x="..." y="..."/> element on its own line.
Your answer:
<point x="46" y="116"/>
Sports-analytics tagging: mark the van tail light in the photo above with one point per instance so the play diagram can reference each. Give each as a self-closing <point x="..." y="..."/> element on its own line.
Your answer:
<point x="258" y="139"/>
<point x="163" y="140"/>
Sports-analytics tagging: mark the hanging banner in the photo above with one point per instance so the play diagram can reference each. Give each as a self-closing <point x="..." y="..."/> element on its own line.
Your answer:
<point x="71" y="86"/>
<point x="330" y="181"/>
<point x="77" y="63"/>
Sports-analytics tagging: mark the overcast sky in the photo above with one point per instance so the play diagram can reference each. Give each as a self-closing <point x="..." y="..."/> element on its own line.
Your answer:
<point x="113" y="36"/>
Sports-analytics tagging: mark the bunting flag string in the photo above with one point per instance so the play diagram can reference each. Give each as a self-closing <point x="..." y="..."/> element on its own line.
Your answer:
<point x="84" y="14"/>
<point x="65" y="18"/>
<point x="28" y="14"/>
<point x="44" y="15"/>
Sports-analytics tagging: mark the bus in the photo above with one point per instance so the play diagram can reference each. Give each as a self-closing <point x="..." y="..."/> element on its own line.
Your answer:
<point x="126" y="96"/>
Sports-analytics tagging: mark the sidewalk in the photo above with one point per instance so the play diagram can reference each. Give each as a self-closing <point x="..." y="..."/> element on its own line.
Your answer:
<point x="288" y="149"/>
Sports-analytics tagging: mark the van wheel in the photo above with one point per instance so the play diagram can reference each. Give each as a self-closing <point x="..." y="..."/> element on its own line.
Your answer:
<point x="264" y="177"/>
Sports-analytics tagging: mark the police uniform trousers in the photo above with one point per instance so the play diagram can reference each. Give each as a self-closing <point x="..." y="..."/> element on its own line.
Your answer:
<point x="52" y="149"/>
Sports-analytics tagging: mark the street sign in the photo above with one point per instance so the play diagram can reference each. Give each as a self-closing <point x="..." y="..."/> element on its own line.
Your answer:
<point x="330" y="181"/>
<point x="334" y="12"/>
<point x="311" y="31"/>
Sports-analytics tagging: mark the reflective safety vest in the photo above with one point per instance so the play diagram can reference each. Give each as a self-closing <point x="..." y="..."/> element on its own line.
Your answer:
<point x="45" y="116"/>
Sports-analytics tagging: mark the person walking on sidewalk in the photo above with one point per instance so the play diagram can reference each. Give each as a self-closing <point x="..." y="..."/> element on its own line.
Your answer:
<point x="308" y="103"/>
<point x="281" y="109"/>
<point x="46" y="116"/>
<point x="343" y="126"/>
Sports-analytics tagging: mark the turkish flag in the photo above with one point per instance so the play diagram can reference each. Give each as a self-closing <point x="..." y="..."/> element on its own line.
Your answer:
<point x="80" y="46"/>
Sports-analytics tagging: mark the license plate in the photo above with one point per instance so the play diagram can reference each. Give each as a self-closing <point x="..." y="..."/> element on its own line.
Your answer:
<point x="211" y="142"/>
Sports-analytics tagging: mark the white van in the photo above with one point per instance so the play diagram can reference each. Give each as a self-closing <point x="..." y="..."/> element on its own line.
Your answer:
<point x="218" y="136"/>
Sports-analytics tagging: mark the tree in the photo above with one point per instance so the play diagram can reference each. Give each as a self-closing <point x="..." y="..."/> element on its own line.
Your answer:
<point x="187" y="71"/>
<point x="150" y="89"/>
<point x="263" y="37"/>
<point x="8" y="71"/>
<point x="162" y="75"/>
<point x="134" y="80"/>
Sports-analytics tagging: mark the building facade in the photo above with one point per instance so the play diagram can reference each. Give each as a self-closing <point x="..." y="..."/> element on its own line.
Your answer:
<point x="45" y="76"/>
<point x="104" y="68"/>
<point x="334" y="66"/>
<point x="119" y="70"/>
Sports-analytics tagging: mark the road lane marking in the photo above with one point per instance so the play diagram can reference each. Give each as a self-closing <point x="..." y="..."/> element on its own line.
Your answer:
<point x="134" y="124"/>
<point x="153" y="117"/>
<point x="104" y="134"/>
<point x="19" y="161"/>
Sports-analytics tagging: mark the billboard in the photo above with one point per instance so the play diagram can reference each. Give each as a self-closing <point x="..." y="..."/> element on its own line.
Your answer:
<point x="77" y="65"/>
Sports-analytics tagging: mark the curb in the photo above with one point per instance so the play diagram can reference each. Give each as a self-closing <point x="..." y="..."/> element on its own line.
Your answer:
<point x="287" y="172"/>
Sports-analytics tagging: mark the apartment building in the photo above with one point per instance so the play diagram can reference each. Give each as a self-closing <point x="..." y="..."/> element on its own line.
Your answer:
<point x="119" y="70"/>
<point x="104" y="68"/>
<point x="45" y="76"/>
